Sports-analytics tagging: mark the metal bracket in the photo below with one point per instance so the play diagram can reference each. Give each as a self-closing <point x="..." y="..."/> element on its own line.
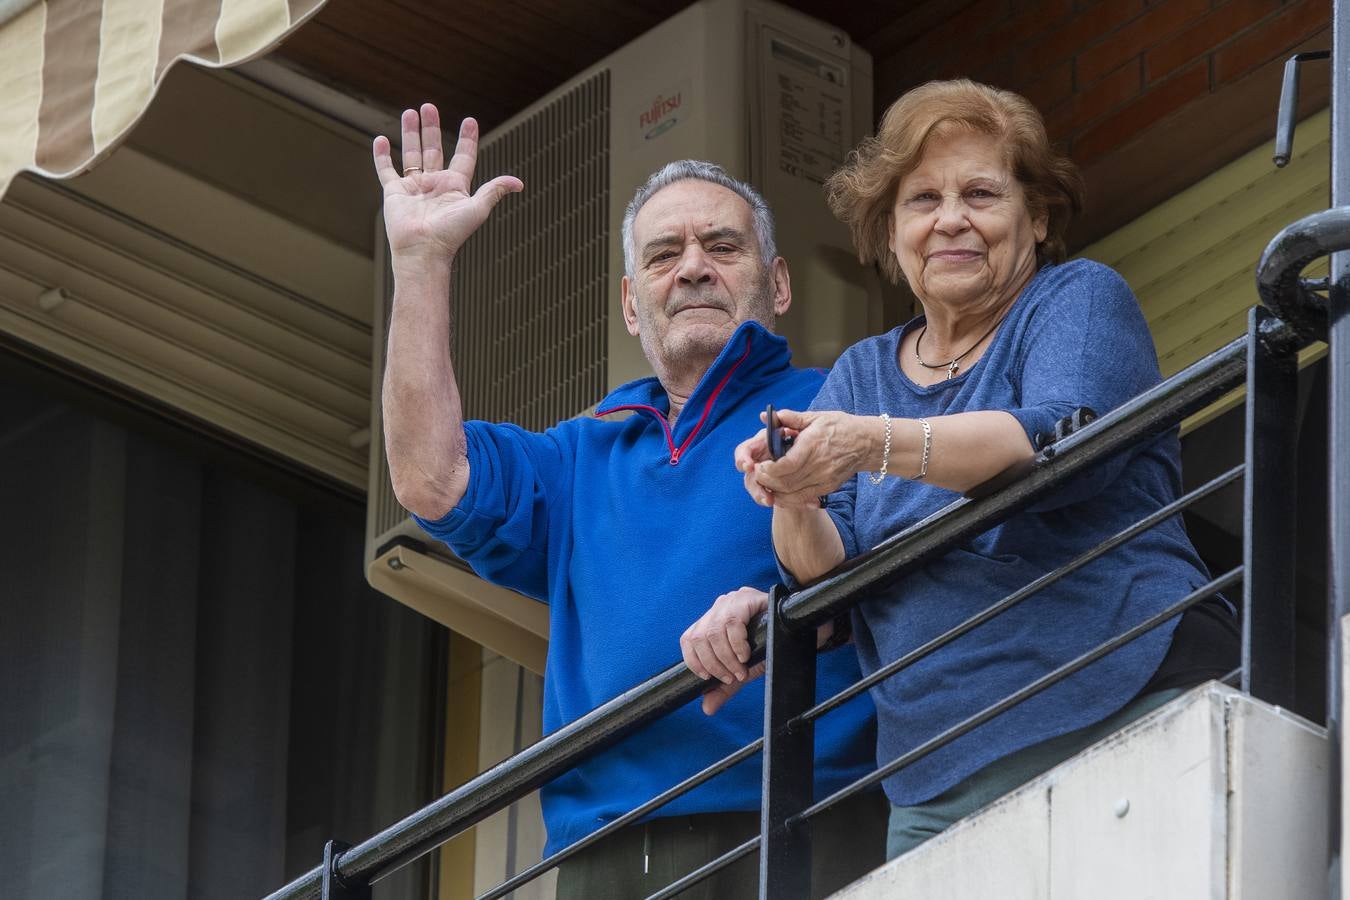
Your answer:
<point x="1276" y="337"/>
<point x="1069" y="424"/>
<point x="1284" y="121"/>
<point x="334" y="888"/>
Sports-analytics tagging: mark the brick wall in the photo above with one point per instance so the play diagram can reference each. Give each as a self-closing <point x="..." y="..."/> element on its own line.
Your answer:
<point x="1117" y="78"/>
<point x="1104" y="71"/>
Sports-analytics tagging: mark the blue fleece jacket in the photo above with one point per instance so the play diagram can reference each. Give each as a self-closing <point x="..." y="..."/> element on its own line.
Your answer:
<point x="629" y="531"/>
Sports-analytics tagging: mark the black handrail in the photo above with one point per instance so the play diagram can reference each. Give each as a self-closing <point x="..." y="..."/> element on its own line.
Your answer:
<point x="504" y="783"/>
<point x="1150" y="413"/>
<point x="1046" y="681"/>
<point x="1152" y="520"/>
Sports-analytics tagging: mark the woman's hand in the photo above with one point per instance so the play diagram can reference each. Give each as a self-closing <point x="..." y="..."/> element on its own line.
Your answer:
<point x="429" y="211"/>
<point x="748" y="455"/>
<point x="829" y="449"/>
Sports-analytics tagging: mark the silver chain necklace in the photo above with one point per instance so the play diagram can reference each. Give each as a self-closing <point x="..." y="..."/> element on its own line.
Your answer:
<point x="953" y="364"/>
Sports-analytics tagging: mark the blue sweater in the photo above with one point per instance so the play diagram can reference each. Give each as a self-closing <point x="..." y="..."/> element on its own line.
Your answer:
<point x="1074" y="337"/>
<point x="629" y="532"/>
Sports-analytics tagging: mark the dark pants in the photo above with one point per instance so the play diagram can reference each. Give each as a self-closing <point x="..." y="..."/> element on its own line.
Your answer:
<point x="847" y="842"/>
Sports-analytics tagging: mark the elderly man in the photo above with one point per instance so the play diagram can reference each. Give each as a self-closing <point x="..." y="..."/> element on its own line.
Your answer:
<point x="627" y="529"/>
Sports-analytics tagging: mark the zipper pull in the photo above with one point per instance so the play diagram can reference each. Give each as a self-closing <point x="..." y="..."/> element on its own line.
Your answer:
<point x="675" y="457"/>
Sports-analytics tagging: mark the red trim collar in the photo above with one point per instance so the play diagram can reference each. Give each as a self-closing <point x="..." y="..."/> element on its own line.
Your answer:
<point x="677" y="452"/>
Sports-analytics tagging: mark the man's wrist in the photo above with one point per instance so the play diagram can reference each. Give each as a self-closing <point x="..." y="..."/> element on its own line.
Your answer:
<point x="421" y="261"/>
<point x="416" y="274"/>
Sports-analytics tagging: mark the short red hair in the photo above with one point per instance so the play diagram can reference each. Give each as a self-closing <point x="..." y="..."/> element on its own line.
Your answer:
<point x="862" y="192"/>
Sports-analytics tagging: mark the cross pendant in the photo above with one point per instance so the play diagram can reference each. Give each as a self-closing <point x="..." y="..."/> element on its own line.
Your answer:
<point x="951" y="369"/>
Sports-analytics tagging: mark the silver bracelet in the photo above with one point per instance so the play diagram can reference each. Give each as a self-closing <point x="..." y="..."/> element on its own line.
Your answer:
<point x="880" y="476"/>
<point x="927" y="449"/>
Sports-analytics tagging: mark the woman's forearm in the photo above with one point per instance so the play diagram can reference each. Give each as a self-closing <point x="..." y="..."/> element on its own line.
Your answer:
<point x="966" y="449"/>
<point x="962" y="450"/>
<point x="806" y="541"/>
<point x="958" y="452"/>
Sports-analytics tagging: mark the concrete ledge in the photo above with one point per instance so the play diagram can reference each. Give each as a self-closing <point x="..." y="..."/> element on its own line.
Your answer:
<point x="1213" y="795"/>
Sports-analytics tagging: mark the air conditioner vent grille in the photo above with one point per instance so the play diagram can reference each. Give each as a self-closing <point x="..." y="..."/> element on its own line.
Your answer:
<point x="531" y="286"/>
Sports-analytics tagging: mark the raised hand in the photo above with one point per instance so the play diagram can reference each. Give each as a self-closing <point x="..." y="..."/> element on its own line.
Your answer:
<point x="429" y="210"/>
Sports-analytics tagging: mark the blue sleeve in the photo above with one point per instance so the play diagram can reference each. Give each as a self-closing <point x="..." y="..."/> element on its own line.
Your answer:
<point x="1086" y="345"/>
<point x="500" y="526"/>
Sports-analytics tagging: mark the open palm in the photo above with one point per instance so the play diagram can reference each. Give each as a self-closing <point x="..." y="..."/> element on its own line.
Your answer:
<point x="430" y="209"/>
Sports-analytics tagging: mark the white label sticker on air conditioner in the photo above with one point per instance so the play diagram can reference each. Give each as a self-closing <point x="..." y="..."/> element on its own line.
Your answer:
<point x="808" y="94"/>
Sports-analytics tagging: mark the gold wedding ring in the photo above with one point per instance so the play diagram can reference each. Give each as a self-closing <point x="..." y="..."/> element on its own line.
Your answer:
<point x="407" y="169"/>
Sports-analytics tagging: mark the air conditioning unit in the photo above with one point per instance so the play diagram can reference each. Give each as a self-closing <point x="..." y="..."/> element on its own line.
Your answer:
<point x="773" y="96"/>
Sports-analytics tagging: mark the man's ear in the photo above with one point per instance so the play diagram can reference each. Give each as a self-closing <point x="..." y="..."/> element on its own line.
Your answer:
<point x="627" y="300"/>
<point x="782" y="286"/>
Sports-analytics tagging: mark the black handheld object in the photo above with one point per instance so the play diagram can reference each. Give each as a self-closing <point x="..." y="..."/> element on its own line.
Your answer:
<point x="779" y="441"/>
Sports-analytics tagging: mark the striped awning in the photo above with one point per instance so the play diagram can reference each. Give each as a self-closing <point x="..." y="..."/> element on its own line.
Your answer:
<point x="76" y="75"/>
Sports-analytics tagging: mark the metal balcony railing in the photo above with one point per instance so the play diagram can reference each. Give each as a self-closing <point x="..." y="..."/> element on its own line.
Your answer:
<point x="1266" y="358"/>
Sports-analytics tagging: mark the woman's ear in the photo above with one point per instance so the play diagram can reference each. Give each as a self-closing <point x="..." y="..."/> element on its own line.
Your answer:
<point x="889" y="221"/>
<point x="1040" y="218"/>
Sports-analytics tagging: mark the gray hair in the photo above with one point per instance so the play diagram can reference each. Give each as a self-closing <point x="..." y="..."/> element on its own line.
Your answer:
<point x="698" y="170"/>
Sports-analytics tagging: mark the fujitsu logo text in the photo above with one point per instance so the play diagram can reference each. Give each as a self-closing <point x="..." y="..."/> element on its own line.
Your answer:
<point x="661" y="107"/>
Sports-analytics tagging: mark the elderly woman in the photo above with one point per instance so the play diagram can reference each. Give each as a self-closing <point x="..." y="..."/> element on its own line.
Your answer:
<point x="961" y="196"/>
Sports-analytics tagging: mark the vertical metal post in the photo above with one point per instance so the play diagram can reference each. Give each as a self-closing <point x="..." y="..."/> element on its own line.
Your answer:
<point x="789" y="758"/>
<point x="1338" y="431"/>
<point x="334" y="888"/>
<point x="1269" y="515"/>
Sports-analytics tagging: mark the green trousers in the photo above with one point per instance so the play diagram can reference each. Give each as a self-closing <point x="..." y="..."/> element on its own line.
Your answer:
<point x="847" y="841"/>
<point x="910" y="826"/>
